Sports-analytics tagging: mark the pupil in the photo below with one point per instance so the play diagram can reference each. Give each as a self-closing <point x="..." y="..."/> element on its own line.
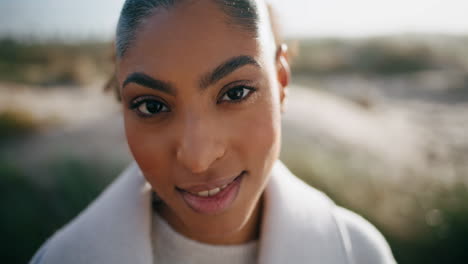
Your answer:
<point x="236" y="94"/>
<point x="153" y="107"/>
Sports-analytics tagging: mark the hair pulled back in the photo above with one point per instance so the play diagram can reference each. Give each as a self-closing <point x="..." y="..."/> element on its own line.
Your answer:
<point x="243" y="13"/>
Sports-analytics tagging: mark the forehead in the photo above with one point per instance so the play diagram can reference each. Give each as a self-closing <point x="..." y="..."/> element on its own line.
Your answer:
<point x="189" y="38"/>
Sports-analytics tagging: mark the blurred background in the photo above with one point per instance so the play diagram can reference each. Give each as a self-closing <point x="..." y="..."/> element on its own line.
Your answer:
<point x="377" y="116"/>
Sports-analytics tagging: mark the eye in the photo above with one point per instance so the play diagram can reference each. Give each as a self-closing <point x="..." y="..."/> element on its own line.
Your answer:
<point x="237" y="94"/>
<point x="148" y="107"/>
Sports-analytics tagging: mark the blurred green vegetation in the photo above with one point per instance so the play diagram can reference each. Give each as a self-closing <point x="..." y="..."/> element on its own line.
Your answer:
<point x="14" y="124"/>
<point x="53" y="63"/>
<point x="33" y="208"/>
<point x="380" y="55"/>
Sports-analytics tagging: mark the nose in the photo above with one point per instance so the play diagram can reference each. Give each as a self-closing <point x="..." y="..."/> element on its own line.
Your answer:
<point x="200" y="144"/>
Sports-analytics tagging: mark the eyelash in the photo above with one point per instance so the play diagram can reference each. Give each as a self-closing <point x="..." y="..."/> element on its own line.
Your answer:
<point x="244" y="97"/>
<point x="136" y="103"/>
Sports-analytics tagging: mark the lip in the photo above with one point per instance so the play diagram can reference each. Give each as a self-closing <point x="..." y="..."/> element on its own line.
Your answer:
<point x="195" y="188"/>
<point x="216" y="203"/>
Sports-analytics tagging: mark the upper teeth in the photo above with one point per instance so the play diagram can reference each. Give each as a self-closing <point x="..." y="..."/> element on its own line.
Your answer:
<point x="212" y="191"/>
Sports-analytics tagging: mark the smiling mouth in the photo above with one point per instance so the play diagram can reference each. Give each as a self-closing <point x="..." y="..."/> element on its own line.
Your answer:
<point x="211" y="192"/>
<point x="211" y="200"/>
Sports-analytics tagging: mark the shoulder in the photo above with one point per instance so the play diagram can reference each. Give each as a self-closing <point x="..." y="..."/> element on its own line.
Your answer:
<point x="315" y="227"/>
<point x="37" y="258"/>
<point x="362" y="240"/>
<point x="97" y="236"/>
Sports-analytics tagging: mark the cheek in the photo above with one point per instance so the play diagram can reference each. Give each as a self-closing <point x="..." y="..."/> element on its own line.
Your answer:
<point x="266" y="138"/>
<point x="149" y="149"/>
<point x="258" y="135"/>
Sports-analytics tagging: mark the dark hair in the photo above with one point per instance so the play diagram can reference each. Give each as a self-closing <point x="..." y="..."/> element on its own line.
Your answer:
<point x="243" y="13"/>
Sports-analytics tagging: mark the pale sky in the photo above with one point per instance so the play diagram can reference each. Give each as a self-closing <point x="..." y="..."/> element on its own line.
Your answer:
<point x="339" y="18"/>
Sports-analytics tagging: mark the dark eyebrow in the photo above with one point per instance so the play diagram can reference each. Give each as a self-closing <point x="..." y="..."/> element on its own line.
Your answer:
<point x="149" y="82"/>
<point x="225" y="69"/>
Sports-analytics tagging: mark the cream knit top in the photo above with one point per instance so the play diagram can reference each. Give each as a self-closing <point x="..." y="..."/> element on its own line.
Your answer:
<point x="170" y="247"/>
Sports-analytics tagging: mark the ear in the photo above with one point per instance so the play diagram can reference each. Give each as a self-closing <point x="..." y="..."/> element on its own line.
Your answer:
<point x="283" y="72"/>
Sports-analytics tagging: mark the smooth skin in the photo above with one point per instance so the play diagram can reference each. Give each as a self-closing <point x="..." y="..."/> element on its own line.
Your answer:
<point x="202" y="102"/>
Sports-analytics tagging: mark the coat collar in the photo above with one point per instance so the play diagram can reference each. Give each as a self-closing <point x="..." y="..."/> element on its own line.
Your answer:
<point x="297" y="225"/>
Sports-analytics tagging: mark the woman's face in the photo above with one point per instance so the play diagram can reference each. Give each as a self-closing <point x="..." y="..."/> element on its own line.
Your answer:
<point x="201" y="103"/>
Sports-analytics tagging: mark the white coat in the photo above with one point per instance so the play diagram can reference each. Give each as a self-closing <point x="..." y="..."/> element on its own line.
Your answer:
<point x="299" y="225"/>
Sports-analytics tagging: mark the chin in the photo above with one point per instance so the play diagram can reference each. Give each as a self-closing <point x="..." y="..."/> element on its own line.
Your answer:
<point x="228" y="226"/>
